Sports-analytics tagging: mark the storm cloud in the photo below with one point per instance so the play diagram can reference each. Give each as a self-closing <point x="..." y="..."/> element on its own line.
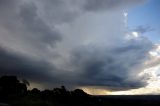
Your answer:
<point x="19" y="65"/>
<point x="72" y="42"/>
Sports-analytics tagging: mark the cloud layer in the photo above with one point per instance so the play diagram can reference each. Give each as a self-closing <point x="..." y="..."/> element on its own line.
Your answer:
<point x="72" y="42"/>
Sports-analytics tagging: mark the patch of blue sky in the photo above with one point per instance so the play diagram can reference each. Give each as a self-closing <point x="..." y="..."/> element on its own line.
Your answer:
<point x="147" y="14"/>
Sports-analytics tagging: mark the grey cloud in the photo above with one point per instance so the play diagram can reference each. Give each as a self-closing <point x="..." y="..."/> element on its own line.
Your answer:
<point x="25" y="30"/>
<point x="62" y="11"/>
<point x="111" y="68"/>
<point x="30" y="26"/>
<point x="110" y="4"/>
<point x="35" y="25"/>
<point x="34" y="70"/>
<point x="4" y="3"/>
<point x="143" y="29"/>
<point x="59" y="11"/>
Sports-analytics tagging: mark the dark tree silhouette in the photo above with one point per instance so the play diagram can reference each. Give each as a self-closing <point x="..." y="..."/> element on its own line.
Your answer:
<point x="35" y="91"/>
<point x="15" y="93"/>
<point x="25" y="82"/>
<point x="79" y="93"/>
<point x="11" y="86"/>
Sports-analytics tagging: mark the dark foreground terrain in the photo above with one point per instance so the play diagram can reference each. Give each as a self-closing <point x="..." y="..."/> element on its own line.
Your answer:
<point x="14" y="93"/>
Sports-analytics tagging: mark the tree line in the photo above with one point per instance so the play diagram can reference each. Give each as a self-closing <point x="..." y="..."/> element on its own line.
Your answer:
<point x="15" y="92"/>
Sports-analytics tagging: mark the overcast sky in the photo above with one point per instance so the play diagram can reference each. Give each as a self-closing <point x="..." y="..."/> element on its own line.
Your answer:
<point x="99" y="45"/>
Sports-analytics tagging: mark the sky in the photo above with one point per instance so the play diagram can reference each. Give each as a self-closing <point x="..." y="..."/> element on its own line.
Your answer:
<point x="105" y="47"/>
<point x="146" y="16"/>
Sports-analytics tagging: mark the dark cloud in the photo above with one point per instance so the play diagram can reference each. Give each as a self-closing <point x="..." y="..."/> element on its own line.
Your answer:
<point x="35" y="25"/>
<point x="61" y="11"/>
<point x="109" y="68"/>
<point x="4" y="3"/>
<point x="43" y="41"/>
<point x="24" y="67"/>
<point x="112" y="67"/>
<point x="109" y="4"/>
<point x="24" y="30"/>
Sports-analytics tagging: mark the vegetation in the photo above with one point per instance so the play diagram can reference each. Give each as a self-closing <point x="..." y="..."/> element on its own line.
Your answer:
<point x="15" y="93"/>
